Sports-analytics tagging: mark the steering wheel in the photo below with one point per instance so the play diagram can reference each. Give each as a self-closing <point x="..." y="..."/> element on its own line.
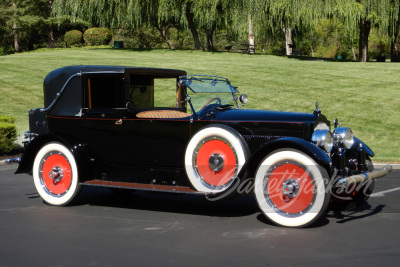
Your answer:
<point x="211" y="100"/>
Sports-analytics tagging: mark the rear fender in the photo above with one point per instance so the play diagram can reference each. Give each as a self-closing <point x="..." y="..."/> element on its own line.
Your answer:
<point x="77" y="149"/>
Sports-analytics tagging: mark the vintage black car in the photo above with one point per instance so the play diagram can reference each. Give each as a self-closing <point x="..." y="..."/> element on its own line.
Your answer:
<point x="162" y="130"/>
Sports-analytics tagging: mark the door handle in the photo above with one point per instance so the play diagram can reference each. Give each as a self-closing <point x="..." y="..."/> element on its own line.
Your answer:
<point x="118" y="122"/>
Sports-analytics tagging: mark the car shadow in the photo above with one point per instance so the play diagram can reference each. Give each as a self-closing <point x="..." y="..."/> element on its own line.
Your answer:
<point x="364" y="211"/>
<point x="236" y="206"/>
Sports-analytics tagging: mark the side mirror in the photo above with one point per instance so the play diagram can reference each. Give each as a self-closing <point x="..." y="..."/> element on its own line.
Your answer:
<point x="187" y="99"/>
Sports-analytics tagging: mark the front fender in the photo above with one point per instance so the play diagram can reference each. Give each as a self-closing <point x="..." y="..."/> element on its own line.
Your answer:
<point x="304" y="146"/>
<point x="358" y="142"/>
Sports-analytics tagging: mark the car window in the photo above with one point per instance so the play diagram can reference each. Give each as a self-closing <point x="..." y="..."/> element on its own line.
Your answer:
<point x="149" y="92"/>
<point x="105" y="91"/>
<point x="165" y="92"/>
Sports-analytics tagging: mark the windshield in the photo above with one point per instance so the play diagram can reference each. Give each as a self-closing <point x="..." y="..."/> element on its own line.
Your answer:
<point x="208" y="92"/>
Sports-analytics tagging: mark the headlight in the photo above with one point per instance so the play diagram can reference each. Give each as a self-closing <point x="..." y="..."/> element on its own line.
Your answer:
<point x="343" y="137"/>
<point x="243" y="98"/>
<point x="323" y="139"/>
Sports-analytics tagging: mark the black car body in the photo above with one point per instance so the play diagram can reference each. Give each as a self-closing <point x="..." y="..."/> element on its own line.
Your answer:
<point x="161" y="130"/>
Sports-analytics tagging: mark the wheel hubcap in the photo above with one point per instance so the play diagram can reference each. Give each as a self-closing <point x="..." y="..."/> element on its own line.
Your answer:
<point x="56" y="174"/>
<point x="216" y="162"/>
<point x="290" y="188"/>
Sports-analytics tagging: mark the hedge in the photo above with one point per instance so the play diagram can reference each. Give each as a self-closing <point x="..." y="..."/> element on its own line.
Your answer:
<point x="73" y="38"/>
<point x="97" y="36"/>
<point x="8" y="135"/>
<point x="8" y="119"/>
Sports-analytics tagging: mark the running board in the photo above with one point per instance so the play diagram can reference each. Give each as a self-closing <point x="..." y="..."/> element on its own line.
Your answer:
<point x="148" y="187"/>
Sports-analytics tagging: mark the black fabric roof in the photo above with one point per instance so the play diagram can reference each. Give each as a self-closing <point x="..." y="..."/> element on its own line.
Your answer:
<point x="56" y="79"/>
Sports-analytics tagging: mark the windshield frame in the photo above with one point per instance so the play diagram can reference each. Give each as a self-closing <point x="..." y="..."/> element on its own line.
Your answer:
<point x="225" y="88"/>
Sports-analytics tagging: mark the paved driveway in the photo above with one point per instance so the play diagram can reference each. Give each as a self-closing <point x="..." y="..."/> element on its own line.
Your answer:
<point x="143" y="229"/>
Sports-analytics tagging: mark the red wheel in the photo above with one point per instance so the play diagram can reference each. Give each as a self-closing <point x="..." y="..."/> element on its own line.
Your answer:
<point x="216" y="162"/>
<point x="291" y="189"/>
<point x="214" y="157"/>
<point x="55" y="174"/>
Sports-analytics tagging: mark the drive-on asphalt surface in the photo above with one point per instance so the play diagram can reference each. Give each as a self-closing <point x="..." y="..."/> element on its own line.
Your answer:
<point x="154" y="229"/>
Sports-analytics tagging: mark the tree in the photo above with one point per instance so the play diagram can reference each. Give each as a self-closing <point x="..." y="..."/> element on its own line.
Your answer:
<point x="277" y="16"/>
<point x="188" y="6"/>
<point x="23" y="19"/>
<point x="50" y="40"/>
<point x="362" y="15"/>
<point x="211" y="15"/>
<point x="160" y="14"/>
<point x="394" y="30"/>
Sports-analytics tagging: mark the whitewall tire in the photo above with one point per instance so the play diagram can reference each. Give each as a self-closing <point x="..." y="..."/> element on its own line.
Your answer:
<point x="55" y="174"/>
<point x="214" y="157"/>
<point x="291" y="188"/>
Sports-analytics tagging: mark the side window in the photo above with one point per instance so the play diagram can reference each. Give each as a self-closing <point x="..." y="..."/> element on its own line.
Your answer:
<point x="165" y="93"/>
<point x="141" y="92"/>
<point x="152" y="92"/>
<point x="105" y="91"/>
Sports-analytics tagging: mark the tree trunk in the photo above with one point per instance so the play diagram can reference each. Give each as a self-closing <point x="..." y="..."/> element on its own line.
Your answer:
<point x="395" y="50"/>
<point x="209" y="36"/>
<point x="210" y="43"/>
<point x="192" y="26"/>
<point x="353" y="51"/>
<point x="288" y="39"/>
<point x="251" y="36"/>
<point x="163" y="31"/>
<point x="395" y="44"/>
<point x="50" y="40"/>
<point x="365" y="28"/>
<point x="16" y="38"/>
<point x="14" y="31"/>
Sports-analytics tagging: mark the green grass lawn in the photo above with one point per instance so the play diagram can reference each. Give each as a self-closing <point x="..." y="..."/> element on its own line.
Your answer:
<point x="364" y="97"/>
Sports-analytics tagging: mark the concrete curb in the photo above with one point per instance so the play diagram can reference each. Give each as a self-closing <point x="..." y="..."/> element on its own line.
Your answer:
<point x="395" y="166"/>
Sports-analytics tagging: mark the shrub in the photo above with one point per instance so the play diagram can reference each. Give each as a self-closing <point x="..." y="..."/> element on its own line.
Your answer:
<point x="6" y="50"/>
<point x="8" y="134"/>
<point x="73" y="38"/>
<point x="8" y="119"/>
<point x="97" y="36"/>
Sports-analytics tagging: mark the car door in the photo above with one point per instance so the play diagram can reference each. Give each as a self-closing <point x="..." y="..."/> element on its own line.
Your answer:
<point x="126" y="147"/>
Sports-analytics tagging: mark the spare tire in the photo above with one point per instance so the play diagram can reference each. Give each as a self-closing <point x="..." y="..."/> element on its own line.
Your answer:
<point x="214" y="157"/>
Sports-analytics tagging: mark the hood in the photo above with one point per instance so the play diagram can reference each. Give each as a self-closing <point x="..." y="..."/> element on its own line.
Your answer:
<point x="250" y="115"/>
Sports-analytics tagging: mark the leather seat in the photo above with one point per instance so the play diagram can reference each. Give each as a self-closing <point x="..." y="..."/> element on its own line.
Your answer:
<point x="162" y="114"/>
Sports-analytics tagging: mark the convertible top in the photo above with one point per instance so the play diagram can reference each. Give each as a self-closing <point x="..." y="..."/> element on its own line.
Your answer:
<point x="55" y="80"/>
